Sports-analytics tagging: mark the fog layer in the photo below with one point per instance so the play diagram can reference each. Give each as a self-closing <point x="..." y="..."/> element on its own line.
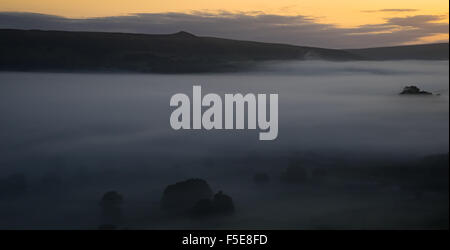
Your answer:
<point x="112" y="131"/>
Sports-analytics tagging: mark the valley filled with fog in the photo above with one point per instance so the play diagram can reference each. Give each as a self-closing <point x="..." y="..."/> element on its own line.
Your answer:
<point x="71" y="137"/>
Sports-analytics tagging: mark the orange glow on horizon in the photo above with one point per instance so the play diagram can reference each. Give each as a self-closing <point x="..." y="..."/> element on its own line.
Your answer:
<point x="343" y="13"/>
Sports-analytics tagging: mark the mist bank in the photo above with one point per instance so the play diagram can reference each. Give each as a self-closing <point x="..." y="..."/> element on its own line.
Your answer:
<point x="182" y="52"/>
<point x="332" y="108"/>
<point x="351" y="152"/>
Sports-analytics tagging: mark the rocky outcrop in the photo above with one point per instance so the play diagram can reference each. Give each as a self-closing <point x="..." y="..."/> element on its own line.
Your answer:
<point x="194" y="197"/>
<point x="221" y="204"/>
<point x="111" y="205"/>
<point x="414" y="90"/>
<point x="111" y="198"/>
<point x="182" y="196"/>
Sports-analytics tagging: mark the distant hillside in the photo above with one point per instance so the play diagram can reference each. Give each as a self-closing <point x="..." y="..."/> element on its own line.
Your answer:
<point x="34" y="50"/>
<point x="180" y="52"/>
<point x="438" y="51"/>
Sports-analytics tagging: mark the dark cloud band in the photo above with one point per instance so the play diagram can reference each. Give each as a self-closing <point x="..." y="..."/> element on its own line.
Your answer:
<point x="390" y="10"/>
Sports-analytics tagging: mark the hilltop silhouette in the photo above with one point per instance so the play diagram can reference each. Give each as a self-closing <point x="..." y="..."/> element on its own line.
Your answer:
<point x="181" y="52"/>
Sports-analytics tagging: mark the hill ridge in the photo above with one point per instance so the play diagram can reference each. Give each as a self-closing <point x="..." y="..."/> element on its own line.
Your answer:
<point x="180" y="52"/>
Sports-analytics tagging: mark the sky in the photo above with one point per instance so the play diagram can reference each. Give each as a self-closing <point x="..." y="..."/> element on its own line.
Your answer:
<point x="349" y="23"/>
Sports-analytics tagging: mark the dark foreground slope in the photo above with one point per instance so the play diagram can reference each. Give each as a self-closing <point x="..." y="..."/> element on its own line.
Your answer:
<point x="34" y="50"/>
<point x="181" y="52"/>
<point x="438" y="51"/>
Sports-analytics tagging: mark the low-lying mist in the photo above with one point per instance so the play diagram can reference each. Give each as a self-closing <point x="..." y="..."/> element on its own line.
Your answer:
<point x="74" y="136"/>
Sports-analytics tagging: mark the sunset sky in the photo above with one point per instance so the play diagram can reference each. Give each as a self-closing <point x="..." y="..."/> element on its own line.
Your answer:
<point x="343" y="14"/>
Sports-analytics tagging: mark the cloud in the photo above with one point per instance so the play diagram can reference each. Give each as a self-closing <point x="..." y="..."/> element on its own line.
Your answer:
<point x="292" y="29"/>
<point x="390" y="10"/>
<point x="425" y="22"/>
